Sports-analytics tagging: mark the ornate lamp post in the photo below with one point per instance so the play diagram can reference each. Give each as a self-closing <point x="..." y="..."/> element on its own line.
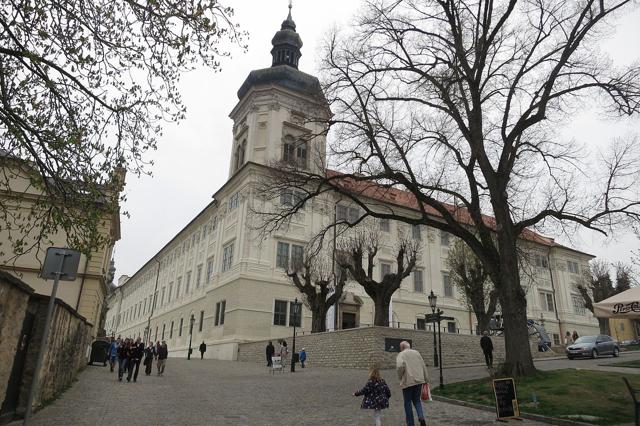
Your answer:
<point x="191" y="321"/>
<point x="433" y="300"/>
<point x="296" y="311"/>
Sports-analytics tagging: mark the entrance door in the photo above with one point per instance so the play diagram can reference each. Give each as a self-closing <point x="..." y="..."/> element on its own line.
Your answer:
<point x="13" y="389"/>
<point x="348" y="320"/>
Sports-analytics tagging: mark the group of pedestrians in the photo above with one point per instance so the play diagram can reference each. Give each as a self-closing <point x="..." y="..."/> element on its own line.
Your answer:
<point x="129" y="353"/>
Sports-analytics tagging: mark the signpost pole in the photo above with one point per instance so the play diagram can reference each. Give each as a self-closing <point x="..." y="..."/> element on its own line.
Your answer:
<point x="440" y="348"/>
<point x="45" y="336"/>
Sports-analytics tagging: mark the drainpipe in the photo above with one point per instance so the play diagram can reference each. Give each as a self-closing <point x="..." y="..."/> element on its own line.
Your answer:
<point x="86" y="262"/>
<point x="153" y="301"/>
<point x="553" y="287"/>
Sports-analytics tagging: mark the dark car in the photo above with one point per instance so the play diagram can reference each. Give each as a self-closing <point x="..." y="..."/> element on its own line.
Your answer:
<point x="593" y="346"/>
<point x="99" y="352"/>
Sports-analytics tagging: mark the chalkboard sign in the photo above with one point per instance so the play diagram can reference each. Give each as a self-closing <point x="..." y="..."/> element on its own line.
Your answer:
<point x="393" y="345"/>
<point x="506" y="398"/>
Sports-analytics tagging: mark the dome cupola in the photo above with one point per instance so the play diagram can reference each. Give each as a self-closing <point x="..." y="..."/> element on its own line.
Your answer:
<point x="286" y="44"/>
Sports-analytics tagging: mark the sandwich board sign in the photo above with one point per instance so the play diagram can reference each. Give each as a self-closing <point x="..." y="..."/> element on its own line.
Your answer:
<point x="506" y="399"/>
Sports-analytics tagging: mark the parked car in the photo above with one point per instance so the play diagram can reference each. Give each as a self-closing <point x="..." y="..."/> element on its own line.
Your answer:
<point x="593" y="346"/>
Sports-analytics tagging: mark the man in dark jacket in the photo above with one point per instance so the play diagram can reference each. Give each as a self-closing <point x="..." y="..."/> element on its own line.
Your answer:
<point x="163" y="353"/>
<point x="270" y="351"/>
<point x="487" y="348"/>
<point x="137" y="352"/>
<point x="203" y="349"/>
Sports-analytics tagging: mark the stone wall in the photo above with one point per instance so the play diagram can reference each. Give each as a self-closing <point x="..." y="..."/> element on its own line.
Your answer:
<point x="69" y="338"/>
<point x="359" y="347"/>
<point x="14" y="300"/>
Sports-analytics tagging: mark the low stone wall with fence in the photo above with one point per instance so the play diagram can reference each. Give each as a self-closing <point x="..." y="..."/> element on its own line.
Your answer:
<point x="359" y="347"/>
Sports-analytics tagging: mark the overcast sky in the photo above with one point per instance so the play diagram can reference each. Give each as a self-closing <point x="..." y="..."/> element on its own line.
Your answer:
<point x="192" y="159"/>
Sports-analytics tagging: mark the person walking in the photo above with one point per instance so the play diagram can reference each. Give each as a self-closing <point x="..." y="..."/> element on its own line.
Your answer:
<point x="303" y="357"/>
<point x="137" y="352"/>
<point x="376" y="395"/>
<point x="163" y="353"/>
<point x="149" y="353"/>
<point x="568" y="340"/>
<point x="113" y="353"/>
<point x="412" y="373"/>
<point x="122" y="358"/>
<point x="487" y="348"/>
<point x="203" y="349"/>
<point x="270" y="350"/>
<point x="575" y="335"/>
<point x="284" y="352"/>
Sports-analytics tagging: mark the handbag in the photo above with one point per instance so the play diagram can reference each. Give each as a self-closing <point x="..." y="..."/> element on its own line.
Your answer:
<point x="425" y="392"/>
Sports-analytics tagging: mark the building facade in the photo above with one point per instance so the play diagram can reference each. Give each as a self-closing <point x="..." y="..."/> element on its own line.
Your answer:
<point x="219" y="280"/>
<point x="86" y="294"/>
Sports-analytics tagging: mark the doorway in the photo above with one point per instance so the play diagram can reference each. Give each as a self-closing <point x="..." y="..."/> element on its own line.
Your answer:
<point x="348" y="320"/>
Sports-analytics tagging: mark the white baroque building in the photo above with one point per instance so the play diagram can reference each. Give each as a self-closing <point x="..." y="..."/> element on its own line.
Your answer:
<point x="218" y="272"/>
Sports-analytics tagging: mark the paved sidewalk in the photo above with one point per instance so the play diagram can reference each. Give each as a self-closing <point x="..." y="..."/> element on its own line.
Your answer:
<point x="207" y="392"/>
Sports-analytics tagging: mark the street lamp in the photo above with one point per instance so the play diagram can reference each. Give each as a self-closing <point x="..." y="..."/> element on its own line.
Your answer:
<point x="296" y="311"/>
<point x="433" y="300"/>
<point x="191" y="321"/>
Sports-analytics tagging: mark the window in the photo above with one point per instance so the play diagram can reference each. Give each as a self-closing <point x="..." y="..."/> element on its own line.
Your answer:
<point x="546" y="301"/>
<point x="451" y="327"/>
<point x="227" y="257"/>
<point x="444" y="238"/>
<point x="541" y="261"/>
<point x="293" y="318"/>
<point x="187" y="283"/>
<point x="162" y="297"/>
<point x="556" y="339"/>
<point x="447" y="285"/>
<point x="220" y="308"/>
<point x="198" y="276"/>
<point x="573" y="267"/>
<point x="578" y="304"/>
<point x="293" y="152"/>
<point x="209" y="269"/>
<point x="178" y="287"/>
<point x="282" y="255"/>
<point x="418" y="286"/>
<point x="171" y="331"/>
<point x="385" y="225"/>
<point x="144" y="309"/>
<point x="214" y="223"/>
<point x="201" y="321"/>
<point x="156" y="338"/>
<point x="421" y="324"/>
<point x="240" y="154"/>
<point x="347" y="214"/>
<point x="289" y="254"/>
<point x="291" y="197"/>
<point x="385" y="269"/>
<point x="417" y="235"/>
<point x="234" y="201"/>
<point x="163" y="327"/>
<point x="155" y="300"/>
<point x="280" y="312"/>
<point x="180" y="329"/>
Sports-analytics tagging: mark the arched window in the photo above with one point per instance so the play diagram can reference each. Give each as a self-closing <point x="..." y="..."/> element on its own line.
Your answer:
<point x="293" y="152"/>
<point x="240" y="154"/>
<point x="301" y="154"/>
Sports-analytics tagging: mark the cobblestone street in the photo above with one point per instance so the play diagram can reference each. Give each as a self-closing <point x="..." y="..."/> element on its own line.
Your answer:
<point x="207" y="392"/>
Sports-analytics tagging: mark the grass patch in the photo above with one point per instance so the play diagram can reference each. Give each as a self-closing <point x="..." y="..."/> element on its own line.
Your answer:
<point x="630" y="348"/>
<point x="630" y="364"/>
<point x="560" y="393"/>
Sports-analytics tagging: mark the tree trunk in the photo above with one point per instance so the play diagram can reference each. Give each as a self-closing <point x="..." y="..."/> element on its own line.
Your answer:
<point x="483" y="321"/>
<point x="518" y="361"/>
<point x="318" y="320"/>
<point x="381" y="315"/>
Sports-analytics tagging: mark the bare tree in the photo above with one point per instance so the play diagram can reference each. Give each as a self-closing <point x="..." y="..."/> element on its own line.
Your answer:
<point x="452" y="108"/>
<point x="320" y="289"/>
<point x="469" y="275"/>
<point x="358" y="255"/>
<point x="85" y="87"/>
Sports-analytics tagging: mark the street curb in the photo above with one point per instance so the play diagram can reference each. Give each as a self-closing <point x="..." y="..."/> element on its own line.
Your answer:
<point x="536" y="417"/>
